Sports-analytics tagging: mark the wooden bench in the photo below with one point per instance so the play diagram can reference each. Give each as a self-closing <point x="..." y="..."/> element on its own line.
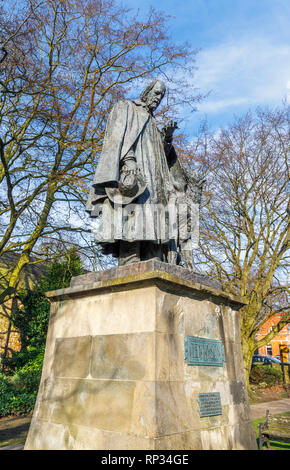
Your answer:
<point x="275" y="427"/>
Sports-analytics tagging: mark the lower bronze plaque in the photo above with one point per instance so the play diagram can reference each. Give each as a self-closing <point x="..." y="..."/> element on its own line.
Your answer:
<point x="210" y="404"/>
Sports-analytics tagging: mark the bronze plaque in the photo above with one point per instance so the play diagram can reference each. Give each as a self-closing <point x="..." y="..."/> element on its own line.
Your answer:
<point x="210" y="404"/>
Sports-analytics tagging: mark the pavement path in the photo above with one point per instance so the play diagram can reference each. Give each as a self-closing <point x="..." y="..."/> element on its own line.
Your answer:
<point x="17" y="447"/>
<point x="275" y="407"/>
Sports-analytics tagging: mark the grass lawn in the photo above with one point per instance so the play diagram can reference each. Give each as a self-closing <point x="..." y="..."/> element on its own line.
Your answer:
<point x="275" y="445"/>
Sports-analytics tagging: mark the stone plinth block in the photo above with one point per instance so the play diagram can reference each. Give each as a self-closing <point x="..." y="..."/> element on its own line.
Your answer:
<point x="132" y="355"/>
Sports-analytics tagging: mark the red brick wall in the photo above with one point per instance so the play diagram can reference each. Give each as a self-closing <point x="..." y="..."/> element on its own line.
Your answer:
<point x="282" y="338"/>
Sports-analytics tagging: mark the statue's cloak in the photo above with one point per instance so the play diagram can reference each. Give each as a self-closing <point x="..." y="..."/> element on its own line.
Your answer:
<point x="155" y="216"/>
<point x="124" y="126"/>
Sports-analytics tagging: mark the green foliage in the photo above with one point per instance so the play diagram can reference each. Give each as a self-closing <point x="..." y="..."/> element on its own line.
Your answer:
<point x="32" y="318"/>
<point x="18" y="392"/>
<point x="19" y="359"/>
<point x="19" y="384"/>
<point x="265" y="375"/>
<point x="16" y="398"/>
<point x="28" y="376"/>
<point x="6" y="393"/>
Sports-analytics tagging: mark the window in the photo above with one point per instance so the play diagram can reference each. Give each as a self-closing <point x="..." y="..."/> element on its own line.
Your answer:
<point x="269" y="349"/>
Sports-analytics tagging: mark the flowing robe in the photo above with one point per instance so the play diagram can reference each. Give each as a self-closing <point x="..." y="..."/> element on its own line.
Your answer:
<point x="152" y="215"/>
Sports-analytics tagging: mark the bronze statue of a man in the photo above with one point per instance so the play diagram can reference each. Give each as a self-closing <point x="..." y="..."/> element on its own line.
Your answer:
<point x="138" y="183"/>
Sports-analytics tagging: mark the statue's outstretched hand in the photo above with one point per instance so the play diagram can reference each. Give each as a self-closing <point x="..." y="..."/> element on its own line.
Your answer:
<point x="168" y="130"/>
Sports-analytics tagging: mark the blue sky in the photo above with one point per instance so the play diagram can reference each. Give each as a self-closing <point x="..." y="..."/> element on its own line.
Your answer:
<point x="245" y="52"/>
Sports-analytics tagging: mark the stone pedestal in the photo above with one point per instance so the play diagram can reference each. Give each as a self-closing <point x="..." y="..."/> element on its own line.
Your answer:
<point x="115" y="374"/>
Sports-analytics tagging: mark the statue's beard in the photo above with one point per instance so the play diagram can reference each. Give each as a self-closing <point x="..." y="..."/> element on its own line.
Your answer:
<point x="151" y="106"/>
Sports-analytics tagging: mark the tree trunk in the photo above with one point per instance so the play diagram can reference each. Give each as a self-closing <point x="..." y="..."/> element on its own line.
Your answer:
<point x="248" y="348"/>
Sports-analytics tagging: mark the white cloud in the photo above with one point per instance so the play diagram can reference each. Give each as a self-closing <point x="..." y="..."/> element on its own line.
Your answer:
<point x="209" y="106"/>
<point x="246" y="71"/>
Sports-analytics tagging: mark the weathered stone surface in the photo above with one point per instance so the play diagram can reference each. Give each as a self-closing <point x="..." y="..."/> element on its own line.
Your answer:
<point x="72" y="356"/>
<point x="115" y="377"/>
<point x="122" y="356"/>
<point x="142" y="267"/>
<point x="93" y="403"/>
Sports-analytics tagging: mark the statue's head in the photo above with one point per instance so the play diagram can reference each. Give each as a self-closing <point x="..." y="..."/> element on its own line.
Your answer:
<point x="153" y="94"/>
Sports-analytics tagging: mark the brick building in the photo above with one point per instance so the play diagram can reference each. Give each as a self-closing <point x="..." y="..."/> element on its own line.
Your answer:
<point x="282" y="338"/>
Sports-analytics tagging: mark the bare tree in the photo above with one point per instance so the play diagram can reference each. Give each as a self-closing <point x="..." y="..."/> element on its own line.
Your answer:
<point x="244" y="232"/>
<point x="64" y="66"/>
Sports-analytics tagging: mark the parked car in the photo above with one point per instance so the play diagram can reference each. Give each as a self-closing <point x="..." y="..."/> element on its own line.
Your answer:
<point x="263" y="359"/>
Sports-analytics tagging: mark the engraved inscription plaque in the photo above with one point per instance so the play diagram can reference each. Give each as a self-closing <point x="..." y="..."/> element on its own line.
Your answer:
<point x="203" y="351"/>
<point x="210" y="404"/>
